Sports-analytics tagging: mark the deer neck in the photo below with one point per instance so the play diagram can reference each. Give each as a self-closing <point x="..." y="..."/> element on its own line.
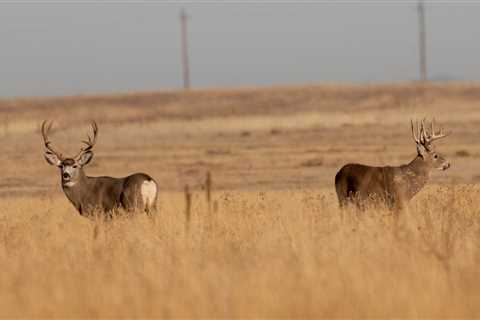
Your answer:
<point x="415" y="175"/>
<point x="79" y="191"/>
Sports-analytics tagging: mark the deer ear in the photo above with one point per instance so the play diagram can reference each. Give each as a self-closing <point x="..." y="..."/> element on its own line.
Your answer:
<point x="85" y="158"/>
<point x="421" y="150"/>
<point x="52" y="159"/>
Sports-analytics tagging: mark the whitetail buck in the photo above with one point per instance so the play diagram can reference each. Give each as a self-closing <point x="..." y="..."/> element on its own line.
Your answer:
<point x="392" y="186"/>
<point x="106" y="194"/>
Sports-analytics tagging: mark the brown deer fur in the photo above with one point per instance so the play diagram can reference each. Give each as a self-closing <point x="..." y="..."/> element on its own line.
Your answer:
<point x="392" y="186"/>
<point x="105" y="194"/>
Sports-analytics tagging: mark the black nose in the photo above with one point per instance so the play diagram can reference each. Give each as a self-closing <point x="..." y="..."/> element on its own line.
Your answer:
<point x="66" y="175"/>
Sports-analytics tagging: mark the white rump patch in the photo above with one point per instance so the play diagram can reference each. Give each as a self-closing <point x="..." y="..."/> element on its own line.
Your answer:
<point x="148" y="191"/>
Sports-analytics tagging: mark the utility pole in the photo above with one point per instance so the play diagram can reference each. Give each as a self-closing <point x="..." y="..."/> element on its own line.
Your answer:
<point x="422" y="39"/>
<point x="184" y="41"/>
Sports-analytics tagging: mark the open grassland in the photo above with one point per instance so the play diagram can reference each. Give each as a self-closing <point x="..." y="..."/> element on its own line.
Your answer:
<point x="272" y="241"/>
<point x="255" y="139"/>
<point x="255" y="254"/>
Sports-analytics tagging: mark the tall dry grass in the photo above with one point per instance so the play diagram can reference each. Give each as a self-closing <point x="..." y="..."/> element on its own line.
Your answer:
<point x="269" y="247"/>
<point x="254" y="254"/>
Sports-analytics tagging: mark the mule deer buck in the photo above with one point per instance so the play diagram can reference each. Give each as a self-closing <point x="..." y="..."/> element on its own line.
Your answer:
<point x="106" y="194"/>
<point x="392" y="186"/>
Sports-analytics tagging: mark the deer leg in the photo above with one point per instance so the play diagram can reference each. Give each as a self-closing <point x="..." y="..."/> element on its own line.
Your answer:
<point x="151" y="210"/>
<point x="128" y="201"/>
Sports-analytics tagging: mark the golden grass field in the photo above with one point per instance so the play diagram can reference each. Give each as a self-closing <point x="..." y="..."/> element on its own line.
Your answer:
<point x="272" y="242"/>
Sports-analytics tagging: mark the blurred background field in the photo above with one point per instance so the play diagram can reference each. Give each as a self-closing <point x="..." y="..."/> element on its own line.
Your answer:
<point x="250" y="138"/>
<point x="273" y="242"/>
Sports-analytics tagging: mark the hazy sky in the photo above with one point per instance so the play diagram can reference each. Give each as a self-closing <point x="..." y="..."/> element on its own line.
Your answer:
<point x="70" y="47"/>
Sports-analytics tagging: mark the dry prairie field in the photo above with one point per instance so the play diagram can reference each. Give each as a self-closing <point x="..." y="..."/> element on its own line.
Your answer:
<point x="272" y="241"/>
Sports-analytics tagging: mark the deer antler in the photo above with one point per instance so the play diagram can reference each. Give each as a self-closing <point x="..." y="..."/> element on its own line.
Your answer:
<point x="91" y="140"/>
<point x="440" y="134"/>
<point x="431" y="136"/>
<point x="415" y="132"/>
<point x="48" y="144"/>
<point x="422" y="135"/>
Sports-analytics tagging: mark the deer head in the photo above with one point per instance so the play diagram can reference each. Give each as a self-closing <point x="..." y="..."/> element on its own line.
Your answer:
<point x="71" y="169"/>
<point x="424" y="137"/>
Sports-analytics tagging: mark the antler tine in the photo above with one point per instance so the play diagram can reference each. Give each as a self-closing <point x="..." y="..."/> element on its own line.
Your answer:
<point x="428" y="137"/>
<point x="433" y="126"/>
<point x="425" y="134"/>
<point x="439" y="135"/>
<point x="421" y="131"/>
<point x="415" y="132"/>
<point x="48" y="144"/>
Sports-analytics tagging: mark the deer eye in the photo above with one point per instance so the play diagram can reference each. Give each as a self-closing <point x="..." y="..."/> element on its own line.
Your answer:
<point x="75" y="166"/>
<point x="435" y="156"/>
